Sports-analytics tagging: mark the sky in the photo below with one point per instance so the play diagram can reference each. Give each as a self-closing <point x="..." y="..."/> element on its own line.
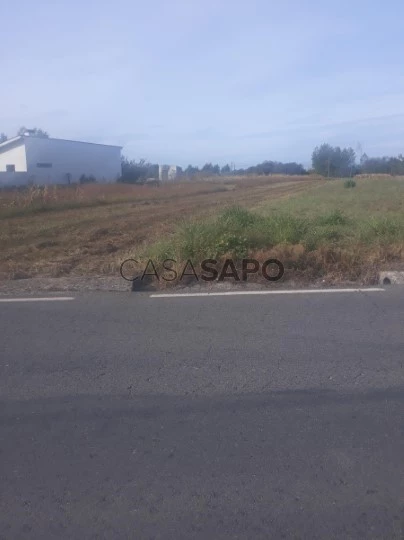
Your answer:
<point x="200" y="81"/>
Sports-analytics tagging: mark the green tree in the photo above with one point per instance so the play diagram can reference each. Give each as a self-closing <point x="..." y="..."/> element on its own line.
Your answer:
<point x="210" y="169"/>
<point x="137" y="172"/>
<point x="35" y="132"/>
<point x="333" y="161"/>
<point x="207" y="168"/>
<point x="216" y="169"/>
<point x="347" y="162"/>
<point x="191" y="171"/>
<point x="321" y="159"/>
<point x="382" y="165"/>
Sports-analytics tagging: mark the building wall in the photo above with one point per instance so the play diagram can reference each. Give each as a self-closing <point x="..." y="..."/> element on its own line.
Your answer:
<point x="172" y="172"/>
<point x="169" y="173"/>
<point x="14" y="156"/>
<point x="163" y="173"/>
<point x="70" y="158"/>
<point x="13" y="179"/>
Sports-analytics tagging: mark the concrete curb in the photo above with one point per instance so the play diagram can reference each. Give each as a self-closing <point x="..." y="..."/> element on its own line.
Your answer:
<point x="391" y="278"/>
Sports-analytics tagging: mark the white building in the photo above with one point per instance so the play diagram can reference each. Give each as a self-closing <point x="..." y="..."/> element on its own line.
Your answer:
<point x="163" y="173"/>
<point x="169" y="173"/>
<point x="30" y="159"/>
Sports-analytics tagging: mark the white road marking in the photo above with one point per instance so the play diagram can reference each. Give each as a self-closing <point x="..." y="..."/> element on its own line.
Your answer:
<point x="290" y="291"/>
<point x="48" y="299"/>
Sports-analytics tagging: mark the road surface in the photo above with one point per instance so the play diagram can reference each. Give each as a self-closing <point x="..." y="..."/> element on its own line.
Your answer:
<point x="125" y="416"/>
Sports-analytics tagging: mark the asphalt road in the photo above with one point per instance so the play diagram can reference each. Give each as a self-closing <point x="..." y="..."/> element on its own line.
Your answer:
<point x="125" y="416"/>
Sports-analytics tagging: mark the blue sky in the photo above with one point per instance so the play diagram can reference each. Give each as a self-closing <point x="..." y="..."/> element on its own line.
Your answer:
<point x="201" y="80"/>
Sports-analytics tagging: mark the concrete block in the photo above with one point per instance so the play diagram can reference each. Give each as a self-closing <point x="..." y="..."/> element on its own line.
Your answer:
<point x="391" y="278"/>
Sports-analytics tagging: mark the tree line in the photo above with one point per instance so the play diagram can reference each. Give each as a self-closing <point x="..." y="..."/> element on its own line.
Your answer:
<point x="138" y="171"/>
<point x="329" y="161"/>
<point x="334" y="162"/>
<point x="35" y="132"/>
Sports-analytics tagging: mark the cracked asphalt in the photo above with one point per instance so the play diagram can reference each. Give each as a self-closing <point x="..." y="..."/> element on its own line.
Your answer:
<point x="125" y="416"/>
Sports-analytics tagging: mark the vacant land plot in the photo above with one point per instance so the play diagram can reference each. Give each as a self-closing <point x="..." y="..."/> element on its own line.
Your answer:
<point x="89" y="230"/>
<point x="347" y="234"/>
<point x="329" y="234"/>
<point x="317" y="228"/>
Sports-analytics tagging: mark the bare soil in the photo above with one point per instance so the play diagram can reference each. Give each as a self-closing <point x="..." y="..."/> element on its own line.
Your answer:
<point x="91" y="240"/>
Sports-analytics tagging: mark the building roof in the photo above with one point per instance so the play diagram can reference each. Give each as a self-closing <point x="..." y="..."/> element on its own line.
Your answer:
<point x="20" y="138"/>
<point x="6" y="143"/>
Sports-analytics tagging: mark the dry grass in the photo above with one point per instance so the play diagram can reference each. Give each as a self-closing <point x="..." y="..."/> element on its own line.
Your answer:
<point x="49" y="198"/>
<point x="328" y="233"/>
<point x="21" y="202"/>
<point x="88" y="230"/>
<point x="318" y="229"/>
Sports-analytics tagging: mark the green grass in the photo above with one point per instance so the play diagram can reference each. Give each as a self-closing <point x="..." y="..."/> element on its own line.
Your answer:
<point x="329" y="223"/>
<point x="371" y="197"/>
<point x="236" y="231"/>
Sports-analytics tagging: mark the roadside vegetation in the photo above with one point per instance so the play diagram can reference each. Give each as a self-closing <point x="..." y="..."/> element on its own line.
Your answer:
<point x="86" y="230"/>
<point x="317" y="228"/>
<point x="329" y="233"/>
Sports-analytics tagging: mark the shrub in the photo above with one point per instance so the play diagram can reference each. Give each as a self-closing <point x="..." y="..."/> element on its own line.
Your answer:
<point x="87" y="179"/>
<point x="349" y="183"/>
<point x="285" y="228"/>
<point x="237" y="217"/>
<point x="333" y="218"/>
<point x="385" y="229"/>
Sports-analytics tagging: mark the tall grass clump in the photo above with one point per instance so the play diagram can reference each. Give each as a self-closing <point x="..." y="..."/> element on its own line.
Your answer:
<point x="238" y="232"/>
<point x="381" y="230"/>
<point x="336" y="217"/>
<point x="235" y="232"/>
